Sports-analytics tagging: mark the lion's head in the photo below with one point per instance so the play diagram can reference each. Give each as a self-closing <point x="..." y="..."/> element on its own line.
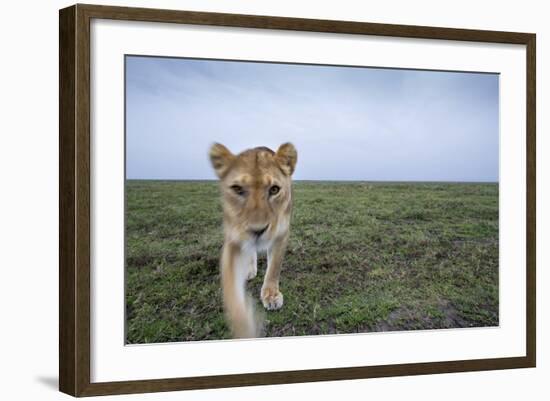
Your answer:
<point x="256" y="192"/>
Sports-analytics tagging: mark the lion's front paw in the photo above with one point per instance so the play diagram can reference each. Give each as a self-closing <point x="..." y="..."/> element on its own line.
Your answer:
<point x="272" y="298"/>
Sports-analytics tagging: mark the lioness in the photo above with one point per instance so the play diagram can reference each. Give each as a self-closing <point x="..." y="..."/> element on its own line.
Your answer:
<point x="257" y="203"/>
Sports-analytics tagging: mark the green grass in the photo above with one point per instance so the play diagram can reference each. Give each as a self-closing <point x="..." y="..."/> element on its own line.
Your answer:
<point x="361" y="257"/>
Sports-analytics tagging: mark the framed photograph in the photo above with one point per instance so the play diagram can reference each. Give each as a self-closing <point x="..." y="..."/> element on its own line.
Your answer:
<point x="250" y="200"/>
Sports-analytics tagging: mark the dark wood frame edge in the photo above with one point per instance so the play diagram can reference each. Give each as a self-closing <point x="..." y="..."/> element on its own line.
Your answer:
<point x="74" y="199"/>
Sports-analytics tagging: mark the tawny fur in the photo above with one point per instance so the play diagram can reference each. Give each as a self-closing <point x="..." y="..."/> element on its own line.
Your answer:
<point x="256" y="188"/>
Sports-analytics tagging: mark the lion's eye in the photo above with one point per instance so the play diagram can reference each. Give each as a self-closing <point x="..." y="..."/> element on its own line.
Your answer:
<point x="274" y="190"/>
<point x="238" y="189"/>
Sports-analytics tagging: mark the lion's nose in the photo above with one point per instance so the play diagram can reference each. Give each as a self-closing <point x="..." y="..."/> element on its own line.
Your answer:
<point x="259" y="232"/>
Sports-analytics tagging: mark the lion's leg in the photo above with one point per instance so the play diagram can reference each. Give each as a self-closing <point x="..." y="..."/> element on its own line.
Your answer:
<point x="272" y="298"/>
<point x="253" y="266"/>
<point x="238" y="307"/>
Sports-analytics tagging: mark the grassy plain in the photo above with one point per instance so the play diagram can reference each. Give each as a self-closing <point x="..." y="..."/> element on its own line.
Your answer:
<point x="362" y="257"/>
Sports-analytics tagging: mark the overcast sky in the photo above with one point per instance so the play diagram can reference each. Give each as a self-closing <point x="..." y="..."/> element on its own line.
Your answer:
<point x="346" y="123"/>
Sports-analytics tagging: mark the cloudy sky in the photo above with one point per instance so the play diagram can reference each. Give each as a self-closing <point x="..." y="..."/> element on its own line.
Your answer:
<point x="346" y="123"/>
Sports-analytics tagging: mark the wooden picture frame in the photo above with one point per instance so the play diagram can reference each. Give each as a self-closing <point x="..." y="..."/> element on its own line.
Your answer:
<point x="74" y="199"/>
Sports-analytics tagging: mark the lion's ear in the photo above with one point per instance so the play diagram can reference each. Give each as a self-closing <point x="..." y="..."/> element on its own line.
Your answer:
<point x="221" y="159"/>
<point x="287" y="157"/>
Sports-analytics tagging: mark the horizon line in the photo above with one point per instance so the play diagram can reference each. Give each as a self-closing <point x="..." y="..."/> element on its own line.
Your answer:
<point x="310" y="180"/>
